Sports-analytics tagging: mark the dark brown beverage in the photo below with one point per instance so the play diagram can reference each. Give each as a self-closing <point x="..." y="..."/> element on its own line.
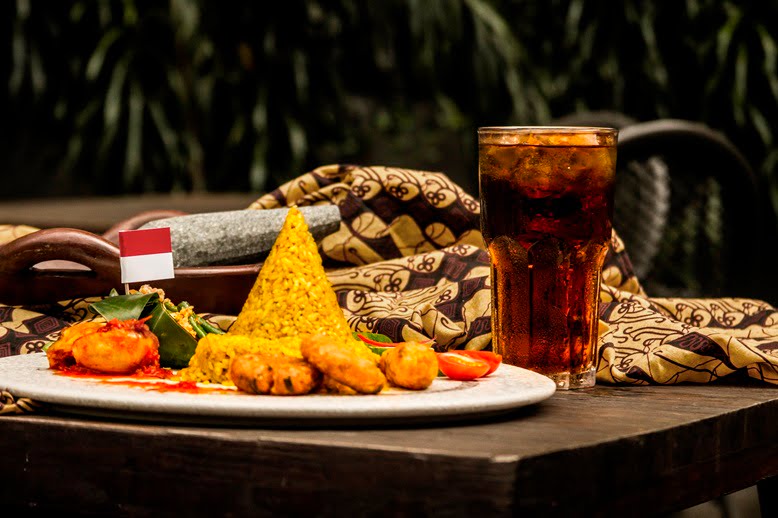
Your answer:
<point x="546" y="206"/>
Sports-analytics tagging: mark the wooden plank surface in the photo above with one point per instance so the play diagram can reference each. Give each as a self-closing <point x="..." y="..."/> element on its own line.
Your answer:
<point x="100" y="213"/>
<point x="630" y="450"/>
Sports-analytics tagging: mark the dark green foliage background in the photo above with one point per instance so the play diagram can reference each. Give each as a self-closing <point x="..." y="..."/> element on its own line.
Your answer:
<point x="106" y="97"/>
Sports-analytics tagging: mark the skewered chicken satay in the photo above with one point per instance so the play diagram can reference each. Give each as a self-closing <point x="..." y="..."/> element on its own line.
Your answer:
<point x="273" y="374"/>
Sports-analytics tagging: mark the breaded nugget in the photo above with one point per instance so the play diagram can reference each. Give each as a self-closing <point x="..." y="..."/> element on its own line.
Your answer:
<point x="342" y="364"/>
<point x="274" y="374"/>
<point x="410" y="365"/>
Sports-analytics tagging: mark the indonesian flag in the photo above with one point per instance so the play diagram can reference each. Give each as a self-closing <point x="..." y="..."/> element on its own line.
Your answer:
<point x="146" y="255"/>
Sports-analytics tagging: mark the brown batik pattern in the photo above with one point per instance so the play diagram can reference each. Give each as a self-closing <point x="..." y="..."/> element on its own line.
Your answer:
<point x="11" y="405"/>
<point x="387" y="212"/>
<point x="408" y="262"/>
<point x="26" y="330"/>
<point x="444" y="293"/>
<point x="666" y="341"/>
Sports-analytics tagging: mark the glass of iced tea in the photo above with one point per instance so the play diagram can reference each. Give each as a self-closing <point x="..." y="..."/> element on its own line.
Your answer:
<point x="546" y="208"/>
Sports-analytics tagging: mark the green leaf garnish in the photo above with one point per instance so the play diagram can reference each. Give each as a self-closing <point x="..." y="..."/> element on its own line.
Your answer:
<point x="125" y="307"/>
<point x="176" y="345"/>
<point x="378" y="350"/>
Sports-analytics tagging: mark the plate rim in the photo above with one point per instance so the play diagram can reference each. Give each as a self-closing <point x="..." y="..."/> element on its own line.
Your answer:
<point x="508" y="388"/>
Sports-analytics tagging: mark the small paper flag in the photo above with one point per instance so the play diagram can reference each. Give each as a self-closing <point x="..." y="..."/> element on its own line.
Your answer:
<point x="146" y="255"/>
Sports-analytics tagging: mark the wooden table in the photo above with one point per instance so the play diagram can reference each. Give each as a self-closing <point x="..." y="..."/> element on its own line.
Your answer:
<point x="97" y="214"/>
<point x="610" y="450"/>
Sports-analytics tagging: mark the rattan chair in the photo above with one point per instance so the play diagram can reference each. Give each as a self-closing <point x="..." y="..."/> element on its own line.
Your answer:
<point x="717" y="232"/>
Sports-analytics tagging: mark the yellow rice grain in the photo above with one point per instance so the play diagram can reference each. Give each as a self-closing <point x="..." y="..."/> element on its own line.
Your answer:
<point x="291" y="287"/>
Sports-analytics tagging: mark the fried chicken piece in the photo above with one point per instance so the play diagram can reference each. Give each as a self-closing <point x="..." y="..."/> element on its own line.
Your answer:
<point x="278" y="375"/>
<point x="60" y="354"/>
<point x="410" y="365"/>
<point x="118" y="347"/>
<point x="342" y="364"/>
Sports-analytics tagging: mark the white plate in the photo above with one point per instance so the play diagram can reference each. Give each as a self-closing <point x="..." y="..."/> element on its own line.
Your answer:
<point x="509" y="387"/>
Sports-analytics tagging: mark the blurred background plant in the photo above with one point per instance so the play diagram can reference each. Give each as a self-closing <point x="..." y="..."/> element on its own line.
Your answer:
<point x="127" y="96"/>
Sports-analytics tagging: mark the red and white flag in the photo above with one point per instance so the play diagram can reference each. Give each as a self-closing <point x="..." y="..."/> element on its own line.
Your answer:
<point x="146" y="255"/>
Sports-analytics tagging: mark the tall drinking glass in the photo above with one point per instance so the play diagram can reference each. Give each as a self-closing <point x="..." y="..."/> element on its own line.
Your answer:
<point x="546" y="208"/>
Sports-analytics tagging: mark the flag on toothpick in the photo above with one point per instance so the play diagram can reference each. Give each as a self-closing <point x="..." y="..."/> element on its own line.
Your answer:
<point x="146" y="255"/>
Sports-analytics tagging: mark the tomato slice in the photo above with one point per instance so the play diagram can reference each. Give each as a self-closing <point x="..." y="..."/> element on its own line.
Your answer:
<point x="494" y="360"/>
<point x="461" y="368"/>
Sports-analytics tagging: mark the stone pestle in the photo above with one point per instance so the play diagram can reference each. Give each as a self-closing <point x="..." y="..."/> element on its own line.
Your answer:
<point x="239" y="236"/>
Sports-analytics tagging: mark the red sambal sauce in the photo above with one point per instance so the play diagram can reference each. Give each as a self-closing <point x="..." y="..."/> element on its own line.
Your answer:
<point x="142" y="381"/>
<point x="149" y="371"/>
<point x="189" y="387"/>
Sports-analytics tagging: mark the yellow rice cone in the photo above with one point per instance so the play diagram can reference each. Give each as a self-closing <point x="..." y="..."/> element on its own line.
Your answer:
<point x="292" y="295"/>
<point x="290" y="298"/>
